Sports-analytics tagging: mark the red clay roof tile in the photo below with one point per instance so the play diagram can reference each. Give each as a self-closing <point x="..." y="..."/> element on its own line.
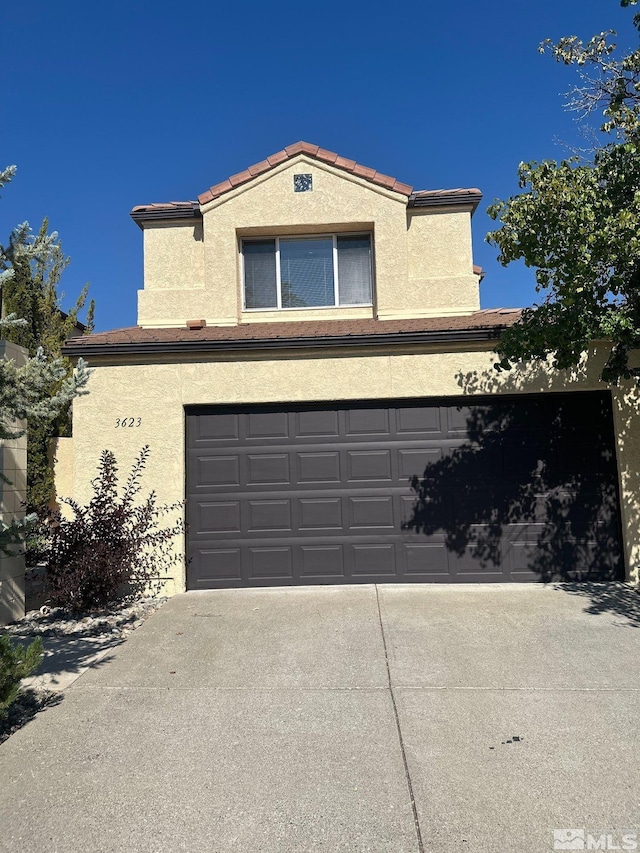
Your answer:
<point x="399" y="187"/>
<point x="292" y="150"/>
<point x="309" y="148"/>
<point x="277" y="158"/>
<point x="364" y="172"/>
<point x="421" y="198"/>
<point x="344" y="163"/>
<point x="259" y="168"/>
<point x="384" y="180"/>
<point x="315" y="152"/>
<point x="215" y="191"/>
<point x="240" y="178"/>
<point x="329" y="156"/>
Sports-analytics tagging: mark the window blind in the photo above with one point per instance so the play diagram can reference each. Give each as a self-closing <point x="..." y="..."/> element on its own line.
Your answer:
<point x="306" y="273"/>
<point x="354" y="269"/>
<point x="260" y="287"/>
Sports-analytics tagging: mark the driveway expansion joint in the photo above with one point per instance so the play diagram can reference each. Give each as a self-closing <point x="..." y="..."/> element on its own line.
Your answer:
<point x="416" y="820"/>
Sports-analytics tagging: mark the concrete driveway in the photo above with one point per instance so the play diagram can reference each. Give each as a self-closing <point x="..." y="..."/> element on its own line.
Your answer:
<point x="397" y="718"/>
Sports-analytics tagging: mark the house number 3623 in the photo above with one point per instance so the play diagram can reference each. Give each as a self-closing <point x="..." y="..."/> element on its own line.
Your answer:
<point x="128" y="422"/>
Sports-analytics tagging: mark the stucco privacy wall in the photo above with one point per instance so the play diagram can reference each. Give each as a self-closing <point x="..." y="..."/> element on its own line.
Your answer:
<point x="439" y="258"/>
<point x="173" y="256"/>
<point x="115" y="393"/>
<point x="13" y="462"/>
<point x="422" y="262"/>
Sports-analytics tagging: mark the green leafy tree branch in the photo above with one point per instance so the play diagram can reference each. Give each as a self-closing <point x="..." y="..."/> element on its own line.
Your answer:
<point x="577" y="222"/>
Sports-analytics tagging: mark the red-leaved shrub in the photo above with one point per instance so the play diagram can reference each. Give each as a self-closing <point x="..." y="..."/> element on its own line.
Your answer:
<point x="114" y="546"/>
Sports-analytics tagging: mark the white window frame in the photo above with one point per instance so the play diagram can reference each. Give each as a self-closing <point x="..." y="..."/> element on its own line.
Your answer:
<point x="336" y="273"/>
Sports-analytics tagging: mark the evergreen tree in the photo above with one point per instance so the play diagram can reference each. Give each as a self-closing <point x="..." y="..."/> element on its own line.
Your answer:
<point x="31" y="293"/>
<point x="43" y="388"/>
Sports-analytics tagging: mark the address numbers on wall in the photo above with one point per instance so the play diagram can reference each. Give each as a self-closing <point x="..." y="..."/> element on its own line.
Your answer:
<point x="125" y="423"/>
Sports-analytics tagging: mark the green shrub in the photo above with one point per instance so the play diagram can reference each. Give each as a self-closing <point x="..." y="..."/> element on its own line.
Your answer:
<point x="114" y="546"/>
<point x="16" y="662"/>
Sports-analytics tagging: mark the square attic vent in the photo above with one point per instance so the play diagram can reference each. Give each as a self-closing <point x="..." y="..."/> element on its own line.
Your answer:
<point x="302" y="183"/>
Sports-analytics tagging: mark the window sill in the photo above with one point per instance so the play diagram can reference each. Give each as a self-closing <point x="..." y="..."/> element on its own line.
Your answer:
<point x="287" y="315"/>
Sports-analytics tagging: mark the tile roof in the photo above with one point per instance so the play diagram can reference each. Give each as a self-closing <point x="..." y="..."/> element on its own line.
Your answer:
<point x="420" y="198"/>
<point x="490" y="320"/>
<point x="443" y="198"/>
<point x="316" y="153"/>
<point x="168" y="205"/>
<point x="166" y="210"/>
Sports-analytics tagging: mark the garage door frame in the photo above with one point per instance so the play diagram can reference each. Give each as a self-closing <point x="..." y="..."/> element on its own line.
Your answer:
<point x="447" y="403"/>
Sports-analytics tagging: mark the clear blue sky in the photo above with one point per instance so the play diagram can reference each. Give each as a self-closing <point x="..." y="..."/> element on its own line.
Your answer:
<point x="109" y="105"/>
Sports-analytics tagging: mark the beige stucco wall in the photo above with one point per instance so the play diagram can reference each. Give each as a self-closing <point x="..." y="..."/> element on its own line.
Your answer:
<point x="441" y="278"/>
<point x="157" y="393"/>
<point x="61" y="452"/>
<point x="422" y="262"/>
<point x="173" y="256"/>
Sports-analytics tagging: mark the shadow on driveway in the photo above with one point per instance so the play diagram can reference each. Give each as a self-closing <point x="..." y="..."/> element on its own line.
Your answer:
<point x="618" y="599"/>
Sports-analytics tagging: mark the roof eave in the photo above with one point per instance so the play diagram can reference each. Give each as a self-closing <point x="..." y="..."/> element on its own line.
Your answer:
<point x="454" y="199"/>
<point x="293" y="342"/>
<point x="160" y="214"/>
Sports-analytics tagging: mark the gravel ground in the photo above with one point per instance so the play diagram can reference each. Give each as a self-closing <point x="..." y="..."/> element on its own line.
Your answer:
<point x="117" y="622"/>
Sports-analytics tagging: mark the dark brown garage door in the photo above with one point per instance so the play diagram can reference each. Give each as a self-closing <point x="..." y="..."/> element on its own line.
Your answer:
<point x="424" y="491"/>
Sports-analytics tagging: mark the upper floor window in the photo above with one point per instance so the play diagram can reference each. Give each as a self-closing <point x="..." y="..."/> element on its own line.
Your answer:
<point x="307" y="272"/>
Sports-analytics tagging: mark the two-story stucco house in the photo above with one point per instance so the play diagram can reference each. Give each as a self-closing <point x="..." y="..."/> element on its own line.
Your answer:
<point x="314" y="376"/>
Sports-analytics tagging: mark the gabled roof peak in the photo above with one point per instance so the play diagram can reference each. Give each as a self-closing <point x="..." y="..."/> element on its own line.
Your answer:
<point x="316" y="153"/>
<point x="421" y="198"/>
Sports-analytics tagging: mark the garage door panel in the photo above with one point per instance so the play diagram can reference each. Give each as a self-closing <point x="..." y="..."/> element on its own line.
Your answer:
<point x="576" y="456"/>
<point x="523" y="457"/>
<point x="590" y="504"/>
<point x="473" y="421"/>
<point x="423" y="561"/>
<point x="374" y="560"/>
<point x="467" y="569"/>
<point x="270" y="563"/>
<point x="367" y="422"/>
<point x="418" y="421"/>
<point x="416" y="462"/>
<point x="318" y="467"/>
<point x="317" y="423"/>
<point x="431" y="490"/>
<point x="217" y="471"/>
<point x="425" y="516"/>
<point x="320" y="514"/>
<point x="368" y="465"/>
<point x="215" y="565"/>
<point x="476" y="502"/>
<point x="582" y="411"/>
<point x="266" y="425"/>
<point x="369" y="512"/>
<point x="267" y="469"/>
<point x="322" y="561"/>
<point x="217" y="428"/>
<point x="218" y="517"/>
<point x="480" y="551"/>
<point x="267" y="516"/>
